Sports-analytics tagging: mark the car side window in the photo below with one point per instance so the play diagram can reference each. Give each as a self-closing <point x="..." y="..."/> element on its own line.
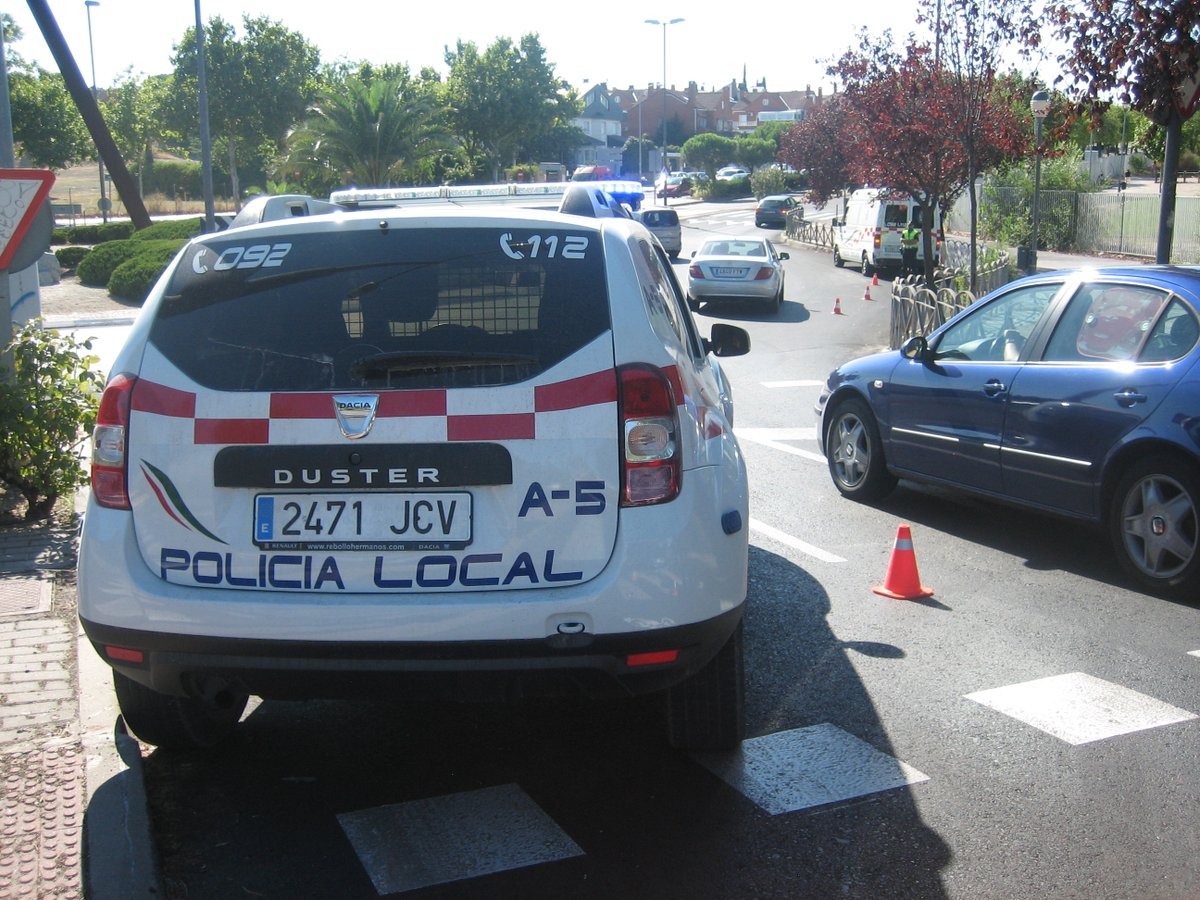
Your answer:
<point x="998" y="330"/>
<point x="1106" y="322"/>
<point x="1173" y="336"/>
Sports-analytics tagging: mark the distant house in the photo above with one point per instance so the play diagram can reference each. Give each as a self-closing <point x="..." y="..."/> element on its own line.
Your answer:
<point x="602" y="123"/>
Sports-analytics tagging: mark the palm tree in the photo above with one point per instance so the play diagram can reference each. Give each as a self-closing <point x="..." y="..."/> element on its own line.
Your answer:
<point x="368" y="131"/>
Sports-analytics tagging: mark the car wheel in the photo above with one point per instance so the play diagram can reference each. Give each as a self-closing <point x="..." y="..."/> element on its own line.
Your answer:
<point x="707" y="710"/>
<point x="1153" y="525"/>
<point x="177" y="723"/>
<point x="693" y="303"/>
<point x="837" y="258"/>
<point x="867" y="269"/>
<point x="855" y="452"/>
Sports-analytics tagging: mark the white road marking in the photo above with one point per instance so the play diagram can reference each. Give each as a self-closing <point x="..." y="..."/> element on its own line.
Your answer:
<point x="806" y="767"/>
<point x="771" y="437"/>
<point x="438" y="840"/>
<point x="1079" y="708"/>
<point x="795" y="543"/>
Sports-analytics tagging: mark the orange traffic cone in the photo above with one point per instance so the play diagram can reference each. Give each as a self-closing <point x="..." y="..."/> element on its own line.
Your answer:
<point x="837" y="306"/>
<point x="867" y="293"/>
<point x="902" y="581"/>
<point x="875" y="279"/>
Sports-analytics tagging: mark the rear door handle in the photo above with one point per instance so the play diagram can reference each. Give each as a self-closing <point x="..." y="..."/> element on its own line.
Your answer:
<point x="994" y="388"/>
<point x="1129" y="397"/>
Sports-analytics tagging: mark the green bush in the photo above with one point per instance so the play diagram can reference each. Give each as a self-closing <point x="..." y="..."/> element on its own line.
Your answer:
<point x="170" y="228"/>
<point x="97" y="267"/>
<point x="133" y="279"/>
<point x="47" y="408"/>
<point x="99" y="233"/>
<point x="767" y="181"/>
<point x="70" y="257"/>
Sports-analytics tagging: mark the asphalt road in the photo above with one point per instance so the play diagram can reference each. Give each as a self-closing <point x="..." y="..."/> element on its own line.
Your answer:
<point x="1029" y="730"/>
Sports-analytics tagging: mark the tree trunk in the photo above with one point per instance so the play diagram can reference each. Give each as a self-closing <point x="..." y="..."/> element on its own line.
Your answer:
<point x="231" y="147"/>
<point x="1170" y="172"/>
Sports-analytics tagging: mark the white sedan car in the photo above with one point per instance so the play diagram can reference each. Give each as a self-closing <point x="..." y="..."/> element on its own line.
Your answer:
<point x="736" y="269"/>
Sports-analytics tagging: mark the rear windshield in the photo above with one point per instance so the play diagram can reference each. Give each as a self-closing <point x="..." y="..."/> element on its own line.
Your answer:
<point x="405" y="308"/>
<point x="659" y="218"/>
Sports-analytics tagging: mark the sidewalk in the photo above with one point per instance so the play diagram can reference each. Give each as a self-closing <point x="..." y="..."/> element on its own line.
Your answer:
<point x="73" y="819"/>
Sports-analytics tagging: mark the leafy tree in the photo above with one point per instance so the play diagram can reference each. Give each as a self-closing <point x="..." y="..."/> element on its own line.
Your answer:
<point x="48" y="131"/>
<point x="709" y="152"/>
<point x="773" y="132"/>
<point x="368" y="130"/>
<point x="1142" y="52"/>
<point x="818" y="144"/>
<point x="753" y="152"/>
<point x="970" y="36"/>
<point x="903" y="118"/>
<point x="258" y="88"/>
<point x="505" y="100"/>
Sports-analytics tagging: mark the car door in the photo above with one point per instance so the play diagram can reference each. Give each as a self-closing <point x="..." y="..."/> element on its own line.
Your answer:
<point x="1099" y="376"/>
<point x="946" y="411"/>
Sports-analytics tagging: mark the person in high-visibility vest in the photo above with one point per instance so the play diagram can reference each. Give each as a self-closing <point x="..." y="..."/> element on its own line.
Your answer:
<point x="909" y="241"/>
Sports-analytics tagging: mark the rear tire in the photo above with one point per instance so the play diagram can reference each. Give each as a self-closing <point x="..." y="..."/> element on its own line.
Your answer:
<point x="837" y="258"/>
<point x="707" y="711"/>
<point x="176" y="723"/>
<point x="867" y="269"/>
<point x="1154" y="525"/>
<point x="855" y="453"/>
<point x="693" y="303"/>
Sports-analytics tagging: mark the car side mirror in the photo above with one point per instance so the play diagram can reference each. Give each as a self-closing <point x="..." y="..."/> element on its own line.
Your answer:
<point x="834" y="223"/>
<point x="915" y="348"/>
<point x="727" y="340"/>
<point x="785" y="256"/>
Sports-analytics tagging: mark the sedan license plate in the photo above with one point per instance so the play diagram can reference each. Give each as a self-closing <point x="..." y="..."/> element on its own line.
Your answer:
<point x="366" y="522"/>
<point x="729" y="271"/>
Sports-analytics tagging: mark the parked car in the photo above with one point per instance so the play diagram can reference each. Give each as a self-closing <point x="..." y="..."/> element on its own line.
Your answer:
<point x="737" y="269"/>
<point x="730" y="173"/>
<point x="773" y="210"/>
<point x="1073" y="393"/>
<point x="674" y="186"/>
<point x="431" y="453"/>
<point x="663" y="223"/>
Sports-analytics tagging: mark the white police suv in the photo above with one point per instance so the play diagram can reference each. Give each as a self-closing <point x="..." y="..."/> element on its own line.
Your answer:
<point x="423" y="452"/>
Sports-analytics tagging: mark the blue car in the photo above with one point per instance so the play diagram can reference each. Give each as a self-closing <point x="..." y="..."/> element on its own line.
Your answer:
<point x="1072" y="393"/>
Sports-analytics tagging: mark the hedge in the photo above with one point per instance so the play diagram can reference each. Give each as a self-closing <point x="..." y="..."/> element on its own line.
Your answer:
<point x="70" y="257"/>
<point x="133" y="279"/>
<point x="96" y="268"/>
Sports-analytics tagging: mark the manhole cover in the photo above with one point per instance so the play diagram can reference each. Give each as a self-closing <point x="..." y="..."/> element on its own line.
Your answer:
<point x="24" y="595"/>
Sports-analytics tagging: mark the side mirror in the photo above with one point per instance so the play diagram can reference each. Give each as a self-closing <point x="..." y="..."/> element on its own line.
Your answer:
<point x="785" y="256"/>
<point x="914" y="348"/>
<point x="728" y="340"/>
<point x="834" y="223"/>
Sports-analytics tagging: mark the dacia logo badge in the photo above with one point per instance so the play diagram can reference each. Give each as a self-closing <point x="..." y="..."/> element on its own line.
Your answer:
<point x="355" y="413"/>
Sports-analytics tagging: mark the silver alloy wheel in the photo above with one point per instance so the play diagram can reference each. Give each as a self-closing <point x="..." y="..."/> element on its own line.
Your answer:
<point x="1159" y="526"/>
<point x="851" y="450"/>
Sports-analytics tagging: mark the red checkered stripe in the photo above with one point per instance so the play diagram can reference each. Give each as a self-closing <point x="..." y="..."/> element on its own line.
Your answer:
<point x="574" y="393"/>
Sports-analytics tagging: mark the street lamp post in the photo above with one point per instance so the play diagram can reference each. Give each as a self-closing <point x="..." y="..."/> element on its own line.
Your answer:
<point x="1039" y="103"/>
<point x="664" y="25"/>
<point x="88" y="4"/>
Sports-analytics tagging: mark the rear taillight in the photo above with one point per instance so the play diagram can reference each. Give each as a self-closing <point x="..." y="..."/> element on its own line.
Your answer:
<point x="764" y="273"/>
<point x="650" y="433"/>
<point x="694" y="272"/>
<point x="110" y="465"/>
<point x="878" y="238"/>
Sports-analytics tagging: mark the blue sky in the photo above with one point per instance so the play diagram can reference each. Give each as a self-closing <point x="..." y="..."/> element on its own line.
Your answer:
<point x="786" y="42"/>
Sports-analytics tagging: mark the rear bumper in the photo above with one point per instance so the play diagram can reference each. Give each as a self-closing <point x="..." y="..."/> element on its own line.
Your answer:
<point x="562" y="664"/>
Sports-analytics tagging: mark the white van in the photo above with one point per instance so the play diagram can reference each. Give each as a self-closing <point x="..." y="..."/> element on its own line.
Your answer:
<point x="869" y="235"/>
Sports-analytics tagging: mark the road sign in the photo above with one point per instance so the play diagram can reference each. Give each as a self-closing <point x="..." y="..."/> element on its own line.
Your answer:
<point x="22" y="193"/>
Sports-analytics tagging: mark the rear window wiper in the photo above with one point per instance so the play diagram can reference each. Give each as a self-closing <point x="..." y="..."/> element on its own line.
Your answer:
<point x="434" y="361"/>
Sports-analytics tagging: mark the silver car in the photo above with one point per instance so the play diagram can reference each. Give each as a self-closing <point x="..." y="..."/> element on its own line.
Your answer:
<point x="737" y="269"/>
<point x="664" y="225"/>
